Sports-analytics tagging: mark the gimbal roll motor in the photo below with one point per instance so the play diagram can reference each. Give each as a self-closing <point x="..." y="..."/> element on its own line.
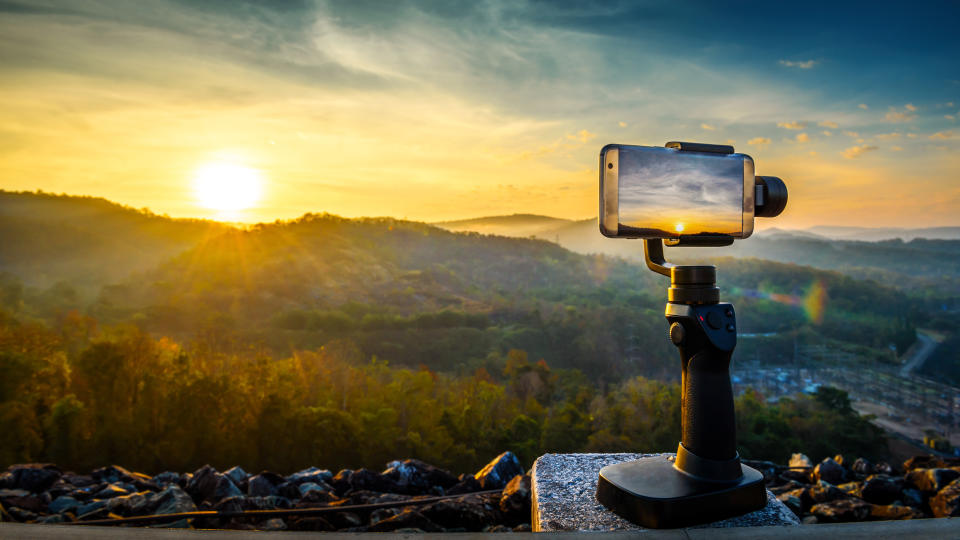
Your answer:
<point x="705" y="481"/>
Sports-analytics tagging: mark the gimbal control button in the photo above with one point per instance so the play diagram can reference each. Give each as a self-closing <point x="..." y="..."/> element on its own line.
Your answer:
<point x="731" y="328"/>
<point x="714" y="320"/>
<point x="677" y="333"/>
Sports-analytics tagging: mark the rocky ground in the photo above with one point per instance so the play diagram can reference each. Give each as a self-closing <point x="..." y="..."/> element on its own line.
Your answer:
<point x="836" y="490"/>
<point x="42" y="493"/>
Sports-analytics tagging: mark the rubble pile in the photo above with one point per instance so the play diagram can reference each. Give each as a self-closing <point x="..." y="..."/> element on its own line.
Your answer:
<point x="42" y="493"/>
<point x="836" y="490"/>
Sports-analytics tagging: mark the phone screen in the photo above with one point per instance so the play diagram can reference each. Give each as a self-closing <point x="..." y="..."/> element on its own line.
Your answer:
<point x="665" y="193"/>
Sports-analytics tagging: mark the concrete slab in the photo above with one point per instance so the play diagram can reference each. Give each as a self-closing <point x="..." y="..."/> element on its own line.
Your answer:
<point x="564" y="487"/>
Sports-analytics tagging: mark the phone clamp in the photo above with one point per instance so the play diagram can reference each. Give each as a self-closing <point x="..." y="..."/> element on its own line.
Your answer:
<point x="705" y="481"/>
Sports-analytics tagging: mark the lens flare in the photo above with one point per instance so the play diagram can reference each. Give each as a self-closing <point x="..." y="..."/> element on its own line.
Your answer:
<point x="813" y="303"/>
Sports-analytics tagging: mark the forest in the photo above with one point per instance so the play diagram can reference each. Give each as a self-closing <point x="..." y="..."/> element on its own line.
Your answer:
<point x="132" y="338"/>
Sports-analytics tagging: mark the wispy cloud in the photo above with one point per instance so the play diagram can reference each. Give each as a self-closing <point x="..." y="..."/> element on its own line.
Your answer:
<point x="802" y="138"/>
<point x="857" y="151"/>
<point x="582" y="136"/>
<point x="853" y="134"/>
<point x="792" y="125"/>
<point x="622" y="123"/>
<point x="863" y="106"/>
<point x="828" y="124"/>
<point x="895" y="116"/>
<point x="943" y="136"/>
<point x="827" y="133"/>
<point x="804" y="64"/>
<point x="885" y="136"/>
<point x="950" y="117"/>
<point x="758" y="141"/>
<point x="708" y="127"/>
<point x="896" y="148"/>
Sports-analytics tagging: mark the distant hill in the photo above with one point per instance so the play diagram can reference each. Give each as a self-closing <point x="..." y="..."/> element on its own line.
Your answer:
<point x="925" y="254"/>
<point x="872" y="234"/>
<point x="518" y="225"/>
<point x="87" y="241"/>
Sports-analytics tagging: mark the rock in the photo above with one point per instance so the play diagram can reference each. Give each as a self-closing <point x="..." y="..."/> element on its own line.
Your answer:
<point x="7" y="493"/>
<point x="53" y="520"/>
<point x="317" y="524"/>
<point x="7" y="481"/>
<point x="345" y="520"/>
<point x="797" y="475"/>
<point x="523" y="527"/>
<point x="174" y="500"/>
<point x="307" y="487"/>
<point x="930" y="480"/>
<point x="203" y="483"/>
<point x="825" y="492"/>
<point x="288" y="490"/>
<point x="62" y="504"/>
<point x="946" y="503"/>
<point x="225" y="489"/>
<point x="407" y="519"/>
<point x="90" y="508"/>
<point x="341" y="481"/>
<point x="365" y="479"/>
<point x="792" y="502"/>
<point x="34" y="477"/>
<point x="467" y="484"/>
<point x="785" y="487"/>
<point x="883" y="468"/>
<point x="800" y="460"/>
<point x="313" y="474"/>
<point x="515" y="499"/>
<point x="881" y="489"/>
<point x="473" y="512"/>
<point x="275" y="524"/>
<point x="809" y="520"/>
<point x="135" y="504"/>
<point x="78" y="480"/>
<point x="891" y="512"/>
<point x="112" y="490"/>
<point x="497" y="529"/>
<point x="912" y="497"/>
<point x="851" y="488"/>
<point x="383" y="513"/>
<point x="843" y="510"/>
<point x="318" y="496"/>
<point x="33" y="503"/>
<point x="416" y="477"/>
<point x="164" y="479"/>
<point x="923" y="462"/>
<point x="59" y="488"/>
<point x="112" y="474"/>
<point x="498" y="472"/>
<point x="830" y="471"/>
<point x="21" y="515"/>
<point x="264" y="484"/>
<point x="862" y="466"/>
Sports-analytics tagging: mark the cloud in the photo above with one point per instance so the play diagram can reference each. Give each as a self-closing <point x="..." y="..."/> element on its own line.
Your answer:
<point x="805" y="64"/>
<point x="863" y="106"/>
<point x="622" y="124"/>
<point x="942" y="135"/>
<point x="893" y="115"/>
<point x="758" y="141"/>
<point x="896" y="148"/>
<point x="853" y="134"/>
<point x="910" y="107"/>
<point x="911" y="135"/>
<point x="828" y="124"/>
<point x="827" y="133"/>
<point x="802" y="138"/>
<point x="792" y="125"/>
<point x="708" y="127"/>
<point x="857" y="151"/>
<point x="582" y="136"/>
<point x="885" y="136"/>
<point x="950" y="117"/>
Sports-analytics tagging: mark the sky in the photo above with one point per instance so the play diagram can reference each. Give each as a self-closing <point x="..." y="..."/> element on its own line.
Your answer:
<point x="445" y="110"/>
<point x="691" y="193"/>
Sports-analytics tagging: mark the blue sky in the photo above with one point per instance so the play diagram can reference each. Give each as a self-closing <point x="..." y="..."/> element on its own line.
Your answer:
<point x="441" y="110"/>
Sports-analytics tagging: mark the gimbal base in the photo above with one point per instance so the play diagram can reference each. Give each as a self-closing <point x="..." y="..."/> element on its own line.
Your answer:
<point x="654" y="494"/>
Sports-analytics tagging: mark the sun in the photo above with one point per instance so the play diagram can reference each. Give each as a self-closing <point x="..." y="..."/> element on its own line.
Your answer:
<point x="679" y="227"/>
<point x="227" y="187"/>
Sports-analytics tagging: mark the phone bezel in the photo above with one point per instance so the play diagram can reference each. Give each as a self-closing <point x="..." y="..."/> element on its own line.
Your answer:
<point x="609" y="194"/>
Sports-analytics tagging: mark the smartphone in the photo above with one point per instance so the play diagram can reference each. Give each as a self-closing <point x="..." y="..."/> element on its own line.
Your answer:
<point x="657" y="192"/>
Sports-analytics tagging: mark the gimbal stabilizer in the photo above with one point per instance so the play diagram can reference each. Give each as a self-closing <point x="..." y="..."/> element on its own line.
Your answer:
<point x="705" y="481"/>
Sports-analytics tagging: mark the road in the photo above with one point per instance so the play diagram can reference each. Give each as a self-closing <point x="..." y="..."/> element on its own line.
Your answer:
<point x="919" y="353"/>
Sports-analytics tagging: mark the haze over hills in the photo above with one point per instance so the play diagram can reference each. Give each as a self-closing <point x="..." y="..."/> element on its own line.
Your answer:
<point x="921" y="255"/>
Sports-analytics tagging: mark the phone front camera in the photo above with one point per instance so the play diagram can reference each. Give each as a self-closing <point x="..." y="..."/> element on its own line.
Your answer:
<point x="609" y="165"/>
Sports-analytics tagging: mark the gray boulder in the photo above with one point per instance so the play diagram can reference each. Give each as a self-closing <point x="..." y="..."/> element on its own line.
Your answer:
<point x="64" y="503"/>
<point x="830" y="471"/>
<point x="174" y="500"/>
<point x="498" y="472"/>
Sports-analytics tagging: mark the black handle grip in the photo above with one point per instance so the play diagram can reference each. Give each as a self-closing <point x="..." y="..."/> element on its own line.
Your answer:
<point x="706" y="345"/>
